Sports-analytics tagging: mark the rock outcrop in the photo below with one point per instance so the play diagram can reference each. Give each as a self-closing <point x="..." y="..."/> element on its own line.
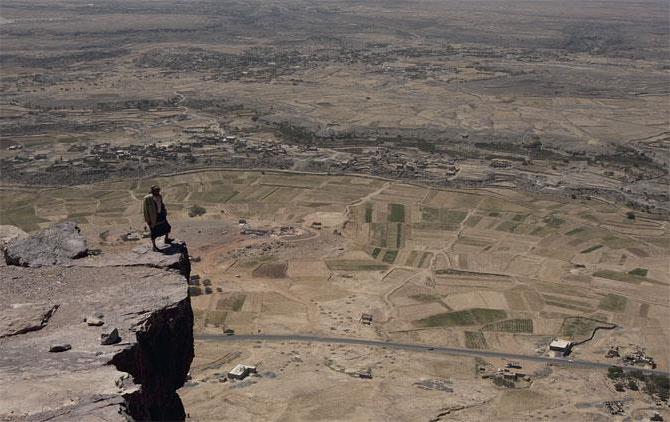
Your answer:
<point x="142" y="294"/>
<point x="20" y="318"/>
<point x="57" y="245"/>
<point x="9" y="234"/>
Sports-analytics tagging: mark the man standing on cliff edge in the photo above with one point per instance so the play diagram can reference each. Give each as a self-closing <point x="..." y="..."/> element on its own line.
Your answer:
<point x="155" y="215"/>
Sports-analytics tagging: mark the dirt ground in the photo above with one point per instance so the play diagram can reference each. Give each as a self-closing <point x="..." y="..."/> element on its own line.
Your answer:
<point x="487" y="176"/>
<point x="488" y="270"/>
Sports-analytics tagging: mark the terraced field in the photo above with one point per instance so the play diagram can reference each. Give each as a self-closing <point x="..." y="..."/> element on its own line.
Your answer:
<point x="483" y="269"/>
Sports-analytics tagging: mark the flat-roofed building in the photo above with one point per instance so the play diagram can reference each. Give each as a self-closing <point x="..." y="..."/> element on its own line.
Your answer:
<point x="561" y="346"/>
<point x="240" y="372"/>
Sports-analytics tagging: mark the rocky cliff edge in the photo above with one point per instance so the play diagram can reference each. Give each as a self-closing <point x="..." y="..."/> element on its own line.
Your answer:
<point x="92" y="337"/>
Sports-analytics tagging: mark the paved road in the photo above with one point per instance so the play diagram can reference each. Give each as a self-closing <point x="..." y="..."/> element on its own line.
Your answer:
<point x="415" y="347"/>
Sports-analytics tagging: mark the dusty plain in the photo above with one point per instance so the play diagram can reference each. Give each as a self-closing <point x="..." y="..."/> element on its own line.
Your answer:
<point x="475" y="269"/>
<point x="483" y="176"/>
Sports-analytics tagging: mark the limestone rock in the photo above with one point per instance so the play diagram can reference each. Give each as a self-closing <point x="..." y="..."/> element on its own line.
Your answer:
<point x="94" y="321"/>
<point x="56" y="245"/>
<point x="109" y="338"/>
<point x="144" y="296"/>
<point x="20" y="318"/>
<point x="173" y="256"/>
<point x="57" y="348"/>
<point x="9" y="234"/>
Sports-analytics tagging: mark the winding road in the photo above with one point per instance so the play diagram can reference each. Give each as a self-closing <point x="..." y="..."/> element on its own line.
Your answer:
<point x="584" y="364"/>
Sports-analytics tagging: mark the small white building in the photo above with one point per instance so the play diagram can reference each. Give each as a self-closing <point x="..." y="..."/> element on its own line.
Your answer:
<point x="240" y="372"/>
<point x="561" y="346"/>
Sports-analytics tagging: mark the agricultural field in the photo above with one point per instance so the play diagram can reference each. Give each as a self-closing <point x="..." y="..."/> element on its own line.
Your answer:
<point x="468" y="269"/>
<point x="506" y="268"/>
<point x="484" y="177"/>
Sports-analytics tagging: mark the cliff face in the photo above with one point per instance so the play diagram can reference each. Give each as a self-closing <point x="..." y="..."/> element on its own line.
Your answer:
<point x="161" y="358"/>
<point x="159" y="362"/>
<point x="143" y="295"/>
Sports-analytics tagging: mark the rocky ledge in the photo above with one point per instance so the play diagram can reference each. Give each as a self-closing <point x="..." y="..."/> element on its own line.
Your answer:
<point x="93" y="337"/>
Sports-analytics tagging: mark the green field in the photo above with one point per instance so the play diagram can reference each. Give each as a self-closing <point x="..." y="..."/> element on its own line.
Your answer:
<point x="231" y="302"/>
<point x="425" y="298"/>
<point x="511" y="326"/>
<point x="291" y="180"/>
<point x="542" y="231"/>
<point x="639" y="272"/>
<point x="578" y="230"/>
<point x="425" y="259"/>
<point x="398" y="239"/>
<point x="615" y="242"/>
<point x="553" y="221"/>
<point x="215" y="318"/>
<point x="566" y="303"/>
<point x="216" y="194"/>
<point x="441" y="219"/>
<point x="396" y="213"/>
<point x="473" y="220"/>
<point x="410" y="262"/>
<point x="354" y="265"/>
<point x="520" y="218"/>
<point x="644" y="310"/>
<point x="577" y="328"/>
<point x="475" y="316"/>
<point x="470" y="241"/>
<point x="614" y="303"/>
<point x="475" y="340"/>
<point x="23" y="217"/>
<point x="271" y="270"/>
<point x="592" y="248"/>
<point x="379" y="233"/>
<point x="507" y="226"/>
<point x="430" y="214"/>
<point x="368" y="213"/>
<point x="390" y="256"/>
<point x="620" y="276"/>
<point x="451" y="271"/>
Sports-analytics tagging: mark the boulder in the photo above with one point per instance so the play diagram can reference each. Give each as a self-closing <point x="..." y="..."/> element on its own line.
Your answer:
<point x="57" y="348"/>
<point x="9" y="234"/>
<point x="94" y="321"/>
<point x="20" y="318"/>
<point x="56" y="245"/>
<point x="109" y="338"/>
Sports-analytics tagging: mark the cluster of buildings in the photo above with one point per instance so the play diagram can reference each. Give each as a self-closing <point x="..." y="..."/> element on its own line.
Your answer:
<point x="247" y="230"/>
<point x="264" y="248"/>
<point x="636" y="357"/>
<point x="615" y="407"/>
<point x="209" y="146"/>
<point x="263" y="149"/>
<point x="506" y="376"/>
<point x="386" y="161"/>
<point x="107" y="154"/>
<point x="500" y="164"/>
<point x="27" y="158"/>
